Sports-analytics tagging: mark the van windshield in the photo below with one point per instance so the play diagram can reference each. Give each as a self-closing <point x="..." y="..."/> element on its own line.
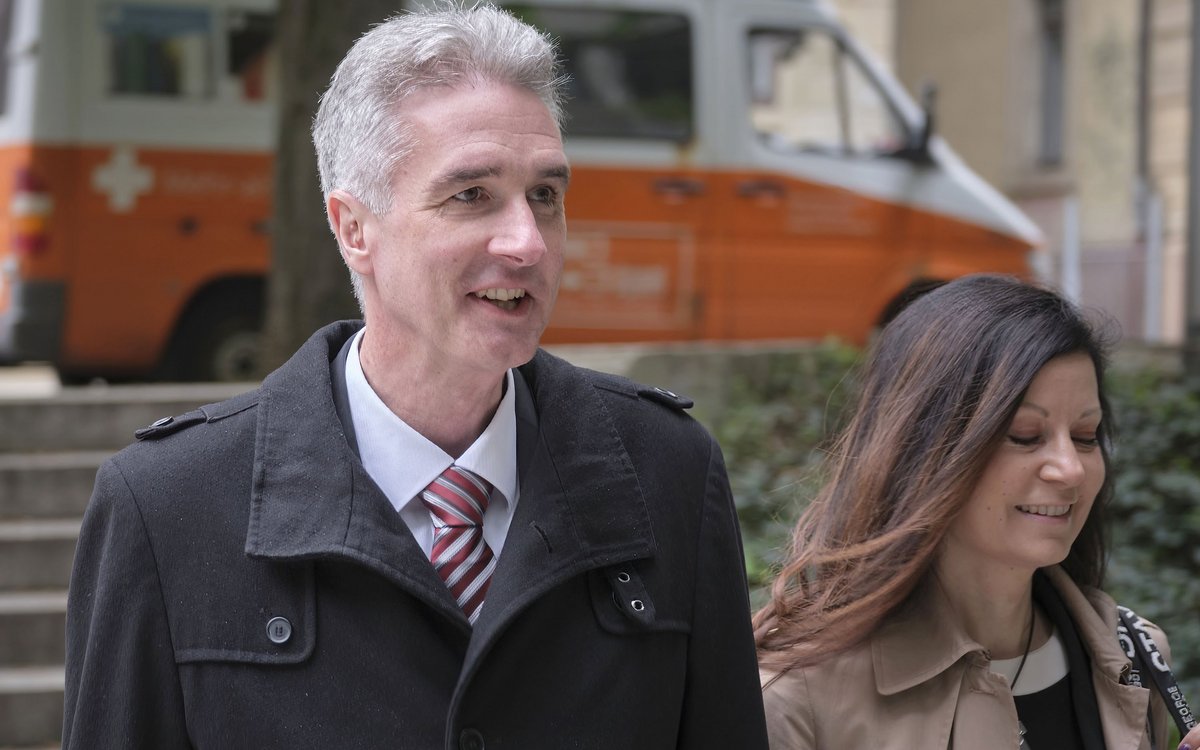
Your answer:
<point x="810" y="94"/>
<point x="630" y="71"/>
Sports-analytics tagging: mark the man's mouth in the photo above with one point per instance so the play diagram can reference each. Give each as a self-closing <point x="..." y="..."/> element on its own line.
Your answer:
<point x="1045" y="510"/>
<point x="505" y="299"/>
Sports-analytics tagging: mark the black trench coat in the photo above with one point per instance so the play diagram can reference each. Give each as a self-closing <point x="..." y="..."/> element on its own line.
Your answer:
<point x="617" y="616"/>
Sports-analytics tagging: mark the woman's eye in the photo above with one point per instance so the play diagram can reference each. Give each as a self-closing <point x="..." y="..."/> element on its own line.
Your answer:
<point x="1088" y="441"/>
<point x="1025" y="440"/>
<point x="470" y="195"/>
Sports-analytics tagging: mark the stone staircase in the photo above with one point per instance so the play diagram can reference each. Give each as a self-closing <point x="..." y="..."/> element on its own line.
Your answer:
<point x="50" y="448"/>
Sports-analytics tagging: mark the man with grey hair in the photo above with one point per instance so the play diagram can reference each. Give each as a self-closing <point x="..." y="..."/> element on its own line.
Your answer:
<point x="422" y="531"/>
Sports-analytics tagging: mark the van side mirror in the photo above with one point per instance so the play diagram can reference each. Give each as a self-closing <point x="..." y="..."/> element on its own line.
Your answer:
<point x="917" y="149"/>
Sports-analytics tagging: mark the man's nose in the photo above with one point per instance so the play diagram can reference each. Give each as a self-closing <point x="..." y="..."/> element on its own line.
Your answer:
<point x="519" y="236"/>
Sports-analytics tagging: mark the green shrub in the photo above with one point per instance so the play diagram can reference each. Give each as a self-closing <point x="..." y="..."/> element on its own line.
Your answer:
<point x="1155" y="516"/>
<point x="782" y="411"/>
<point x="778" y="416"/>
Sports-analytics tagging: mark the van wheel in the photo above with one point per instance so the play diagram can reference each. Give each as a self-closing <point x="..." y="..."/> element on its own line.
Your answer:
<point x="219" y="338"/>
<point x="231" y="352"/>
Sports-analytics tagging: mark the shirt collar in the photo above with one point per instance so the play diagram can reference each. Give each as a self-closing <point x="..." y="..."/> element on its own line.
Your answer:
<point x="403" y="462"/>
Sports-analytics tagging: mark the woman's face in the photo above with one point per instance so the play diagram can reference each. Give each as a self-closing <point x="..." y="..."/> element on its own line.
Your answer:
<point x="1038" y="487"/>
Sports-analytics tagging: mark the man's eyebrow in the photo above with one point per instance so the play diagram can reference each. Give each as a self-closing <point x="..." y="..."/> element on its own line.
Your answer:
<point x="562" y="172"/>
<point x="465" y="175"/>
<point x="459" y="176"/>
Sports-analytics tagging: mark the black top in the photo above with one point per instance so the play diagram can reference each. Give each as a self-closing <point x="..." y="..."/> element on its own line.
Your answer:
<point x="1049" y="718"/>
<point x="1080" y="697"/>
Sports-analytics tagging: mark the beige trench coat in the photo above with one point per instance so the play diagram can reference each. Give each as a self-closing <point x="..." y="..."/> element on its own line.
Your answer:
<point x="920" y="682"/>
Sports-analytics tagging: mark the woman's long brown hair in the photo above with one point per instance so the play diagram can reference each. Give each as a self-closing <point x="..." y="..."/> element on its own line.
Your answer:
<point x="938" y="394"/>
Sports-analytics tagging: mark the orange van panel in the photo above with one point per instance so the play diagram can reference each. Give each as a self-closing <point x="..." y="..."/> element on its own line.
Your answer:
<point x="134" y="234"/>
<point x="652" y="254"/>
<point x="735" y="255"/>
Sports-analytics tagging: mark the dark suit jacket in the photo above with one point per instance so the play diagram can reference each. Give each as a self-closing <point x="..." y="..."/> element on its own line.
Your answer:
<point x="617" y="616"/>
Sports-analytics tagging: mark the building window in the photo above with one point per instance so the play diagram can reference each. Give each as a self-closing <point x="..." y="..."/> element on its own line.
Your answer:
<point x="1051" y="30"/>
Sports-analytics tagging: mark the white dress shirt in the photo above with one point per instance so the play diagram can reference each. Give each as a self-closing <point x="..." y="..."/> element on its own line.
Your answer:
<point x="403" y="462"/>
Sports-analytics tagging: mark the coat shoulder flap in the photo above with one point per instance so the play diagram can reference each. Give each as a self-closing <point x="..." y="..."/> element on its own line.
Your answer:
<point x="210" y="413"/>
<point x="627" y="387"/>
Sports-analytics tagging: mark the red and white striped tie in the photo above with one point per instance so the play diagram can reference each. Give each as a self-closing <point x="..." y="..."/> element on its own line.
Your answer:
<point x="457" y="500"/>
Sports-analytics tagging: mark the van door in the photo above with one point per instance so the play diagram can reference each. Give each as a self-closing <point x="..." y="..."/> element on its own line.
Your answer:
<point x="637" y="209"/>
<point x="809" y="253"/>
<point x="175" y="183"/>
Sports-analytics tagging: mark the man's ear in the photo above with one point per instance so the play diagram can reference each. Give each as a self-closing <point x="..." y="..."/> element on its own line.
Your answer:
<point x="349" y="218"/>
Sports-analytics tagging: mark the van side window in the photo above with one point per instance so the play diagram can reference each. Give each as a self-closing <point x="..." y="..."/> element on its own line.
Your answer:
<point x="810" y="94"/>
<point x="192" y="53"/>
<point x="630" y="72"/>
<point x="159" y="50"/>
<point x="251" y="70"/>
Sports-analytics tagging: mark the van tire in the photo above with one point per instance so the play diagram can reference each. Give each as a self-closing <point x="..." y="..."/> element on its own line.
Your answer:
<point x="231" y="351"/>
<point x="219" y="337"/>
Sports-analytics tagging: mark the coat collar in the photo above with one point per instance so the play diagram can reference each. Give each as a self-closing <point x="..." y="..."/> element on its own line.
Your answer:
<point x="920" y="642"/>
<point x="924" y="639"/>
<point x="581" y="503"/>
<point x="1095" y="616"/>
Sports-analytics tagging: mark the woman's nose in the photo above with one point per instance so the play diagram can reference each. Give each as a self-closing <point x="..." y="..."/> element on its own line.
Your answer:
<point x="1063" y="464"/>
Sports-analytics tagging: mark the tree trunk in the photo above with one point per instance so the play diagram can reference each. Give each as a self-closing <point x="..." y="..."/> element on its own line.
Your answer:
<point x="308" y="285"/>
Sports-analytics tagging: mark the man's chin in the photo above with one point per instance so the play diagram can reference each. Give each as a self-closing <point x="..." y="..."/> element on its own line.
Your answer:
<point x="509" y="352"/>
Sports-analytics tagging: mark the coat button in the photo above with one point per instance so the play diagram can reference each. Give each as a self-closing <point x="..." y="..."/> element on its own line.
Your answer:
<point x="279" y="630"/>
<point x="470" y="739"/>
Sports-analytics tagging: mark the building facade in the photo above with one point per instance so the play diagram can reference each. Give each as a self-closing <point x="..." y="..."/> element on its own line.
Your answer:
<point x="1078" y="111"/>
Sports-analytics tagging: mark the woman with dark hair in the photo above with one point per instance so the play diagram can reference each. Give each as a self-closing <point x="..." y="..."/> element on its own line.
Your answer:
<point x="943" y="589"/>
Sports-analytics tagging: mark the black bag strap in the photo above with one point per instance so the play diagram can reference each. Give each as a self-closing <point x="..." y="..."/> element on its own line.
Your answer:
<point x="1145" y="657"/>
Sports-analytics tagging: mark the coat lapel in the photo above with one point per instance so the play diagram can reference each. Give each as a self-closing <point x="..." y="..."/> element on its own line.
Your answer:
<point x="581" y="506"/>
<point x="311" y="497"/>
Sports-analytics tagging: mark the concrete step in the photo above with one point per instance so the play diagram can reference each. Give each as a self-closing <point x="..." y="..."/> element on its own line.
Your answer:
<point x="31" y="706"/>
<point x="98" y="417"/>
<point x="37" y="554"/>
<point x="32" y="628"/>
<point x="47" y="485"/>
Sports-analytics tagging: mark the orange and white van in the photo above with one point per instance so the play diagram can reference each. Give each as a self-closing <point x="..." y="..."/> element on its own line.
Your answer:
<point x="742" y="170"/>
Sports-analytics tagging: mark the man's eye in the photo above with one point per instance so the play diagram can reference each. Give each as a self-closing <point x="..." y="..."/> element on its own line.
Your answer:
<point x="470" y="195"/>
<point x="547" y="195"/>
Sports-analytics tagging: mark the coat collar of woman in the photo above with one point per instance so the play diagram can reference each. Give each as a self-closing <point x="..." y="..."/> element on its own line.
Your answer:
<point x="925" y="639"/>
